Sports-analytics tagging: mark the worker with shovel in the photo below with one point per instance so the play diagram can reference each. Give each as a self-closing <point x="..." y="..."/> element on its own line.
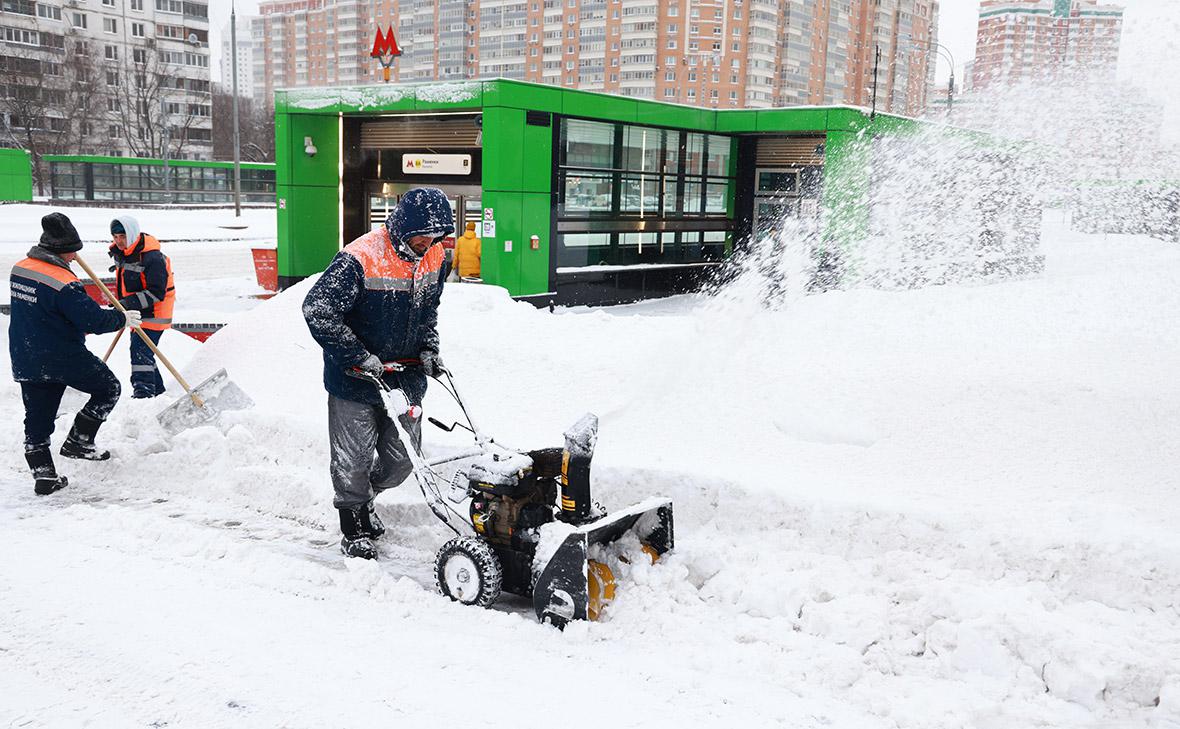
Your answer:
<point x="143" y="283"/>
<point x="375" y="305"/>
<point x="51" y="315"/>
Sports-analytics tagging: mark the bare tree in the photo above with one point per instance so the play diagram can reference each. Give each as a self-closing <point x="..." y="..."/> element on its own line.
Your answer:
<point x="257" y="128"/>
<point x="153" y="120"/>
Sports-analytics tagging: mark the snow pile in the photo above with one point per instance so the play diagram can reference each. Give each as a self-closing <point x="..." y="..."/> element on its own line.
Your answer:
<point x="381" y="95"/>
<point x="945" y="507"/>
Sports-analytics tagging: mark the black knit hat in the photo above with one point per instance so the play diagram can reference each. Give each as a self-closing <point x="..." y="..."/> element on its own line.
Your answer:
<point x="58" y="234"/>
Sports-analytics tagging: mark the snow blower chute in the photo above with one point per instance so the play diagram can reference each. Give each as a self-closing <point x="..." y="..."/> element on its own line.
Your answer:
<point x="532" y="527"/>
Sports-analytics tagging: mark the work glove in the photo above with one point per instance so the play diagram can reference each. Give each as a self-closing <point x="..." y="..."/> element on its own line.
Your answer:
<point x="132" y="318"/>
<point x="372" y="365"/>
<point x="432" y="364"/>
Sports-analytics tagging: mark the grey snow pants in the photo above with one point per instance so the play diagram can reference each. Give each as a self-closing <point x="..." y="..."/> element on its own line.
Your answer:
<point x="367" y="454"/>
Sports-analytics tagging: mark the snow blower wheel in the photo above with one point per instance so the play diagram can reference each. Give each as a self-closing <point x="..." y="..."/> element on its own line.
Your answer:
<point x="468" y="571"/>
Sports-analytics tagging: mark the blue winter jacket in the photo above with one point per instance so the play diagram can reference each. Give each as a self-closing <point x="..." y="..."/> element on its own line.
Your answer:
<point x="378" y="297"/>
<point x="51" y="315"/>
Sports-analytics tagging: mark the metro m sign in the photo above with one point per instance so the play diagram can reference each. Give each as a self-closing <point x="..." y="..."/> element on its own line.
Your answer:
<point x="385" y="49"/>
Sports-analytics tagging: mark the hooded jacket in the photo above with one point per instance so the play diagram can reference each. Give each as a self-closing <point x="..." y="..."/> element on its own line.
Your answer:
<point x="143" y="276"/>
<point x="467" y="254"/>
<point x="378" y="297"/>
<point x="51" y="315"/>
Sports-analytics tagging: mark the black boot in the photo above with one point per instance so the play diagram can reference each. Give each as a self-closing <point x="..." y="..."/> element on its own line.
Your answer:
<point x="356" y="541"/>
<point x="40" y="459"/>
<point x="80" y="442"/>
<point x="373" y="525"/>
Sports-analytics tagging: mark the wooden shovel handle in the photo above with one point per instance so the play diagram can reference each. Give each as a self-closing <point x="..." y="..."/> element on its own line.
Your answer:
<point x="114" y="341"/>
<point x="146" y="339"/>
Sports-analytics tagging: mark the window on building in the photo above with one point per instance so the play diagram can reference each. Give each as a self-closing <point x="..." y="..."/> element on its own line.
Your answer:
<point x="78" y="20"/>
<point x="112" y="78"/>
<point x="21" y="7"/>
<point x="108" y="3"/>
<point x="111" y="53"/>
<point x="49" y="12"/>
<point x="110" y="25"/>
<point x="629" y="179"/>
<point x="137" y="30"/>
<point x="137" y="4"/>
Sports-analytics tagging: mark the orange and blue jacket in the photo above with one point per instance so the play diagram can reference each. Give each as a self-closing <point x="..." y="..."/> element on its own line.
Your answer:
<point x="51" y="316"/>
<point x="143" y="281"/>
<point x="373" y="300"/>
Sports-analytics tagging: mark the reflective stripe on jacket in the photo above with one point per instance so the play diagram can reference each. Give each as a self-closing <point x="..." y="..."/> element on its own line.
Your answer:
<point x="51" y="315"/>
<point x="370" y="300"/>
<point x="143" y="281"/>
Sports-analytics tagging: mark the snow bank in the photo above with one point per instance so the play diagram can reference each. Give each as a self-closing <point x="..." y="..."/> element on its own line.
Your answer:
<point x="947" y="507"/>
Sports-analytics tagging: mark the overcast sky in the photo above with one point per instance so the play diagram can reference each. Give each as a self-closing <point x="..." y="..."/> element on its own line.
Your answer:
<point x="1150" y="32"/>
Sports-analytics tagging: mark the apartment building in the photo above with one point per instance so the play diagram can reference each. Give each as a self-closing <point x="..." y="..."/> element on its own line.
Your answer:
<point x="245" y="58"/>
<point x="710" y="53"/>
<point x="1034" y="40"/>
<point x="115" y="77"/>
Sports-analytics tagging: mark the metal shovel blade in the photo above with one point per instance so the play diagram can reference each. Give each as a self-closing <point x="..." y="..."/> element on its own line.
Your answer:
<point x="218" y="394"/>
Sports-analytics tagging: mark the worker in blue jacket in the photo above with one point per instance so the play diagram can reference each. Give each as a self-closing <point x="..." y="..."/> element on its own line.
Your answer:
<point x="51" y="315"/>
<point x="377" y="303"/>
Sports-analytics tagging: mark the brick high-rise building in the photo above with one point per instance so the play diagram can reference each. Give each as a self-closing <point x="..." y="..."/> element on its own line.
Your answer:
<point x="712" y="53"/>
<point x="1031" y="40"/>
<point x="117" y="77"/>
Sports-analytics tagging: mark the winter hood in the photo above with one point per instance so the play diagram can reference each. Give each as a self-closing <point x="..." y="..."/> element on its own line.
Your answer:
<point x="130" y="226"/>
<point x="422" y="211"/>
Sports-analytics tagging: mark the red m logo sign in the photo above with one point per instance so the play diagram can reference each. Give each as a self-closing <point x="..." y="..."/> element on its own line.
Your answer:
<point x="385" y="44"/>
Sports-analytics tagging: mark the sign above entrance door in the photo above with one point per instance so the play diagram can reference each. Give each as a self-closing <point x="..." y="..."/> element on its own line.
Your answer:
<point x="436" y="164"/>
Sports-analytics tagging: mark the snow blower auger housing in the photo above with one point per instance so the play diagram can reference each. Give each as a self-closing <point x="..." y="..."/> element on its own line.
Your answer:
<point x="532" y="526"/>
<point x="537" y="522"/>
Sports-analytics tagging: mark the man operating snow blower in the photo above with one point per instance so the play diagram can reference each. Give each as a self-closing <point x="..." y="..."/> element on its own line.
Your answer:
<point x="376" y="306"/>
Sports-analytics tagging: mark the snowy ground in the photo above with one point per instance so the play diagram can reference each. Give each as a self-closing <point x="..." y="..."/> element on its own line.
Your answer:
<point x="952" y="507"/>
<point x="209" y="248"/>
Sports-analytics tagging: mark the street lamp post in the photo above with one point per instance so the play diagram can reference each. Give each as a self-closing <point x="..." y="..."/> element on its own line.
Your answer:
<point x="950" y="86"/>
<point x="233" y="44"/>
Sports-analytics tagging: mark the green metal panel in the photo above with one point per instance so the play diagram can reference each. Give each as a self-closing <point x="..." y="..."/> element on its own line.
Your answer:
<point x="536" y="209"/>
<point x="737" y="120"/>
<point x="503" y="148"/>
<point x="535" y="159"/>
<point x="497" y="266"/>
<point x="282" y="144"/>
<point x="323" y="168"/>
<point x="309" y="211"/>
<point x="522" y="96"/>
<point x="312" y="230"/>
<point x="598" y="106"/>
<point x="792" y="120"/>
<point x="16" y="175"/>
<point x="673" y="115"/>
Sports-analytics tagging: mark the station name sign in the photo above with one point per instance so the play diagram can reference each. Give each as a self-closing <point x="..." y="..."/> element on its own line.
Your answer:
<point x="436" y="164"/>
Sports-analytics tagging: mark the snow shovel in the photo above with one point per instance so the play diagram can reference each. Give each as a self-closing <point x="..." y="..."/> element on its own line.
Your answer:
<point x="202" y="403"/>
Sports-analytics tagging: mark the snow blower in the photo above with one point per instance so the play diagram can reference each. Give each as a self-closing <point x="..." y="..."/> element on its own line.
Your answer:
<point x="532" y="527"/>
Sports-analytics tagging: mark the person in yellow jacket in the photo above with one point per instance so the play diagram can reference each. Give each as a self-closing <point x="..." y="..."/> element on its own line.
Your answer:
<point x="467" y="253"/>
<point x="143" y="283"/>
